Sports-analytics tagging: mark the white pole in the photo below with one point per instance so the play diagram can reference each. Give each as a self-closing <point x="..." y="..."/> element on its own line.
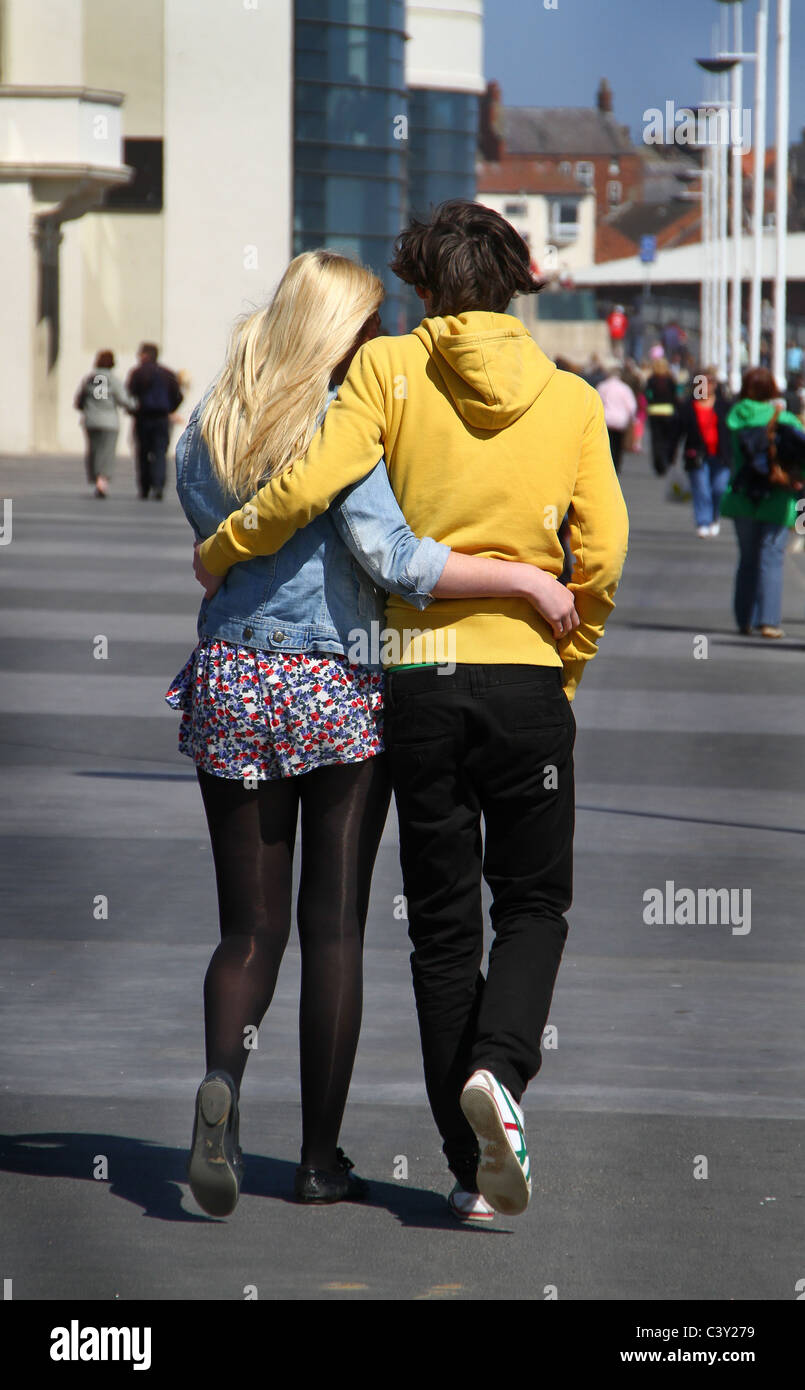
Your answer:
<point x="706" y="355"/>
<point x="758" y="207"/>
<point x="722" y="240"/>
<point x="781" y="213"/>
<point x="736" y="121"/>
<point x="723" y="94"/>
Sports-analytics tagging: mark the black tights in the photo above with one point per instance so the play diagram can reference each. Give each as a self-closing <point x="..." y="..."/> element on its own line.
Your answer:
<point x="253" y="832"/>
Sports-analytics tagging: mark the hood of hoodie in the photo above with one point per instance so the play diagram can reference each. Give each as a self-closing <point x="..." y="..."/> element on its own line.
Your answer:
<point x="750" y="414"/>
<point x="489" y="364"/>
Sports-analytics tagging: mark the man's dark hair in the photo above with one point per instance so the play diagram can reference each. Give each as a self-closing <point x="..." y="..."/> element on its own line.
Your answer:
<point x="149" y="351"/>
<point x="105" y="358"/>
<point x="467" y="257"/>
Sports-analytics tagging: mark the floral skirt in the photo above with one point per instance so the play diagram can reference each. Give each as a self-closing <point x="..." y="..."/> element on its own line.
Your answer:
<point x="252" y="713"/>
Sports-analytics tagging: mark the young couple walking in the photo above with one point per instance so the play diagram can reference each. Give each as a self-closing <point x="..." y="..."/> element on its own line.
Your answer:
<point x="437" y="480"/>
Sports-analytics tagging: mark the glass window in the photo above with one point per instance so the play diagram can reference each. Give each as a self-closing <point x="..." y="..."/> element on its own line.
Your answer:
<point x="614" y="192"/>
<point x="585" y="172"/>
<point x="515" y="209"/>
<point x="144" y="192"/>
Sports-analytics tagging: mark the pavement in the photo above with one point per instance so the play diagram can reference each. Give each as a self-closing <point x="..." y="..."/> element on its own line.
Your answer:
<point x="666" y="1125"/>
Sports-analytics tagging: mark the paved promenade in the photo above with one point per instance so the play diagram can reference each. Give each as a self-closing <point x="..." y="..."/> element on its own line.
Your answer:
<point x="666" y="1126"/>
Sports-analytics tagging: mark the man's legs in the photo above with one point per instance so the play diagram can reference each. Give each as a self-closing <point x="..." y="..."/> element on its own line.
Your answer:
<point x="524" y="771"/>
<point x="440" y="854"/>
<point x="142" y="445"/>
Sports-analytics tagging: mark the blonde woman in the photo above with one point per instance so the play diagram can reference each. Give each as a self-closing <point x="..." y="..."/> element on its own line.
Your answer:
<point x="277" y="718"/>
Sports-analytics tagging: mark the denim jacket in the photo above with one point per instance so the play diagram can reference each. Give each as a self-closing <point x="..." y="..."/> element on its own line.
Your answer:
<point x="326" y="581"/>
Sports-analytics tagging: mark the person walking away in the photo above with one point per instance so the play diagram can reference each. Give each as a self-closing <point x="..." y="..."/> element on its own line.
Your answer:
<point x="618" y="325"/>
<point x="706" y="449"/>
<point x="99" y="398"/>
<point x="633" y="377"/>
<point x="158" y="394"/>
<point x="795" y="396"/>
<point x="662" y="413"/>
<point x="494" y="447"/>
<point x="761" y="521"/>
<point x="620" y="409"/>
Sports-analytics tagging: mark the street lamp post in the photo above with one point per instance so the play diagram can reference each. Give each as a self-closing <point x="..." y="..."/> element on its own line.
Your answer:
<point x="781" y="176"/>
<point x="759" y="192"/>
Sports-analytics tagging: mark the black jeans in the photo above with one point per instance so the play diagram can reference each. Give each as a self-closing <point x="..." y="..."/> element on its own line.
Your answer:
<point x="491" y="741"/>
<point x="616" y="438"/>
<point x="663" y="442"/>
<point x="153" y="436"/>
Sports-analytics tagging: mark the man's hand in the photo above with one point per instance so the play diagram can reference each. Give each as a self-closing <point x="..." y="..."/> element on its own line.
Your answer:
<point x="210" y="583"/>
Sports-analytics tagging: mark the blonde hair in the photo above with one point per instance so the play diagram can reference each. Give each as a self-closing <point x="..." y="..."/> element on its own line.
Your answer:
<point x="264" y="408"/>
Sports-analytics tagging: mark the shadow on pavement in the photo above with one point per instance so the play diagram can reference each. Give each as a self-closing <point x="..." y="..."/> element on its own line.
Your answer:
<point x="153" y="1176"/>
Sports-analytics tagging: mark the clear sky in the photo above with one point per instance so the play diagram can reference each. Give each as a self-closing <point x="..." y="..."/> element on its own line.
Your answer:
<point x="646" y="48"/>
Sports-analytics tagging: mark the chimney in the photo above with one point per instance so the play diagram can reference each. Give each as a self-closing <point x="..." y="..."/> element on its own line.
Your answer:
<point x="490" y="132"/>
<point x="604" y="97"/>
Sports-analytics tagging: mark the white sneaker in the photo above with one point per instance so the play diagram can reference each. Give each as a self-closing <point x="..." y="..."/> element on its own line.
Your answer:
<point x="715" y="528"/>
<point x="504" y="1168"/>
<point x="469" y="1206"/>
<point x="703" y="531"/>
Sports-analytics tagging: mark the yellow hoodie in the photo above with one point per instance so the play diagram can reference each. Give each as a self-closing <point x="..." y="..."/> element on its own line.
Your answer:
<point x="487" y="445"/>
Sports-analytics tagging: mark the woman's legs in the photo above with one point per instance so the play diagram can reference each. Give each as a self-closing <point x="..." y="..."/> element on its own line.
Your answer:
<point x="747" y="533"/>
<point x="771" y="558"/>
<point x="702" y="495"/>
<point x="719" y="479"/>
<point x="252" y="834"/>
<point x="343" y="813"/>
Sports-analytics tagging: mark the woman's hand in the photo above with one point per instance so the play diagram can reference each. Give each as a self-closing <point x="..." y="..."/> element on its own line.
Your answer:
<point x="551" y="599"/>
<point x="210" y="583"/>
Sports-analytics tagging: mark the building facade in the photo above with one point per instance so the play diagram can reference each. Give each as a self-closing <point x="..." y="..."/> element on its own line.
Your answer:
<point x="161" y="162"/>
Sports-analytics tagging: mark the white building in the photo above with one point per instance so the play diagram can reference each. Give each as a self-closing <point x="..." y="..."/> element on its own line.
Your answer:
<point x="235" y="133"/>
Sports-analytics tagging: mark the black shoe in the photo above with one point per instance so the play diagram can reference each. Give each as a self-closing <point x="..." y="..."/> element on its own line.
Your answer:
<point x="329" y="1185"/>
<point x="215" y="1167"/>
<point x="158" y="495"/>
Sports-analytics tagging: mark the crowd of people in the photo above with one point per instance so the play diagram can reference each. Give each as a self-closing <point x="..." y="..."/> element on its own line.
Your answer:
<point x="726" y="448"/>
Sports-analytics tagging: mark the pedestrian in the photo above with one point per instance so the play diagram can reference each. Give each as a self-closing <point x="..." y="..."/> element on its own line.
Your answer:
<point x="706" y="449"/>
<point x="618" y="325"/>
<point x="634" y="378"/>
<point x="795" y="396"/>
<point x="99" y="397"/>
<point x="793" y="357"/>
<point x="761" y="521"/>
<point x="620" y="410"/>
<point x="158" y="394"/>
<point x="280" y="718"/>
<point x="487" y="438"/>
<point x="662" y="413"/>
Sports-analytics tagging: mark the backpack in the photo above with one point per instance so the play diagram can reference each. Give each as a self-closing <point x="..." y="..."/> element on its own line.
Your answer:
<point x="773" y="455"/>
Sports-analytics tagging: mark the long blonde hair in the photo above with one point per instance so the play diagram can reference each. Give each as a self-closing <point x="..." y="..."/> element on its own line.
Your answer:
<point x="264" y="408"/>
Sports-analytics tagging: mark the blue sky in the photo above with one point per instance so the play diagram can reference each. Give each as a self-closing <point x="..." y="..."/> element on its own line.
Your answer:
<point x="646" y="48"/>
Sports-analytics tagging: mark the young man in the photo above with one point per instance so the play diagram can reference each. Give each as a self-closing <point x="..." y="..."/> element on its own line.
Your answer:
<point x="157" y="393"/>
<point x="488" y="446"/>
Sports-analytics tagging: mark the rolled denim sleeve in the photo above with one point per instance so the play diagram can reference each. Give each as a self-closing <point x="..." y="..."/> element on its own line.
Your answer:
<point x="368" y="519"/>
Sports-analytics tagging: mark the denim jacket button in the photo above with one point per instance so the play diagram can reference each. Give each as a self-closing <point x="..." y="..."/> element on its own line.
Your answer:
<point x="278" y="636"/>
<point x="248" y="631"/>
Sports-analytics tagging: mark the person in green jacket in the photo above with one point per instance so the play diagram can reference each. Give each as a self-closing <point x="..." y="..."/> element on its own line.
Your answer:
<point x="761" y="527"/>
